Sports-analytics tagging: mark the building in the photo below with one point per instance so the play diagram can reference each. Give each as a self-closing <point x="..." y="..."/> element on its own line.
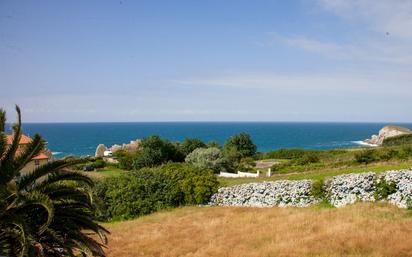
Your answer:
<point x="37" y="161"/>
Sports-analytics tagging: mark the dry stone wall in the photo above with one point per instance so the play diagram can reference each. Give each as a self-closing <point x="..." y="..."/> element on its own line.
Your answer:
<point x="339" y="191"/>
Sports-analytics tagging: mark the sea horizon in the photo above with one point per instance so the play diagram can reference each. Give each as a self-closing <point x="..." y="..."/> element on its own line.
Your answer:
<point x="82" y="138"/>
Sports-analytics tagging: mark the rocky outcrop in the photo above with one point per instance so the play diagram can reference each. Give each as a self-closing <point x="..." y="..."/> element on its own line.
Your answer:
<point x="339" y="191"/>
<point x="386" y="132"/>
<point x="266" y="194"/>
<point x="133" y="146"/>
<point x="100" y="150"/>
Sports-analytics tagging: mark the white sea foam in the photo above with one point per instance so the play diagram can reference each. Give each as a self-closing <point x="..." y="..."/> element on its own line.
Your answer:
<point x="364" y="143"/>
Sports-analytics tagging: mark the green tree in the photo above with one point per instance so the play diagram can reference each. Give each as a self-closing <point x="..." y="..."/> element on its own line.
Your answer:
<point x="242" y="144"/>
<point x="48" y="211"/>
<point x="190" y="144"/>
<point x="156" y="151"/>
<point x="213" y="144"/>
<point x="209" y="158"/>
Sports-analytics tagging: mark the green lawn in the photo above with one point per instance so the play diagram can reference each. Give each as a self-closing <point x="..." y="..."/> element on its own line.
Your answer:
<point x="106" y="172"/>
<point x="319" y="173"/>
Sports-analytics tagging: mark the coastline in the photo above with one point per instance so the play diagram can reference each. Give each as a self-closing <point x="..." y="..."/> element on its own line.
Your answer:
<point x="364" y="143"/>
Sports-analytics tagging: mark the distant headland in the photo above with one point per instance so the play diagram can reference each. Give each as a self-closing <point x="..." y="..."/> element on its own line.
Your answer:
<point x="386" y="132"/>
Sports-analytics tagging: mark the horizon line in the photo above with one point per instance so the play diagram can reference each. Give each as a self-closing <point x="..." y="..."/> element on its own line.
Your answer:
<point x="206" y="121"/>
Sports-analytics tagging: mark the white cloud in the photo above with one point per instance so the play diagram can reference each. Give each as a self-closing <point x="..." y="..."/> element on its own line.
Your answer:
<point x="369" y="50"/>
<point x="357" y="82"/>
<point x="386" y="37"/>
<point x="393" y="16"/>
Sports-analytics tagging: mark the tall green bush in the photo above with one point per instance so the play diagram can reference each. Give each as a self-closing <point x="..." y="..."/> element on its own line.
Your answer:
<point x="134" y="194"/>
<point x="151" y="189"/>
<point x="209" y="158"/>
<point x="366" y="156"/>
<point x="196" y="185"/>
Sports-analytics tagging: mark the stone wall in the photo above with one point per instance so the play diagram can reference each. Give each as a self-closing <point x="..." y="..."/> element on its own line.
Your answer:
<point x="339" y="191"/>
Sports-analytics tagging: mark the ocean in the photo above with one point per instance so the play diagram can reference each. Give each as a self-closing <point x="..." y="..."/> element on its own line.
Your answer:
<point x="81" y="139"/>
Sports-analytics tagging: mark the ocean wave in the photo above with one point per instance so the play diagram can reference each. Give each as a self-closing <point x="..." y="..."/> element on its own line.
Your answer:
<point x="363" y="143"/>
<point x="56" y="153"/>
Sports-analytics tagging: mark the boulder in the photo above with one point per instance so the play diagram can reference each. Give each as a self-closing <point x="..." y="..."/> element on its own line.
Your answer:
<point x="115" y="148"/>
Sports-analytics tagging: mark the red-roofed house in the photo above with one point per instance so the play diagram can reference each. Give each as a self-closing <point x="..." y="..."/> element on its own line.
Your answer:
<point x="37" y="160"/>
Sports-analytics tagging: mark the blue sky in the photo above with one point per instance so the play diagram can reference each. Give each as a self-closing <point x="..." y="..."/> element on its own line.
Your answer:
<point x="320" y="60"/>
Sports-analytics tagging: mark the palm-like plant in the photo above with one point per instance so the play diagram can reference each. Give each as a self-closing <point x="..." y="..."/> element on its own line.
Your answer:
<point x="46" y="212"/>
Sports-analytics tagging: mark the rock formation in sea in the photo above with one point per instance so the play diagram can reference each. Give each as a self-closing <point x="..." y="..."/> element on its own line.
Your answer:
<point x="386" y="132"/>
<point x="133" y="146"/>
<point x="100" y="150"/>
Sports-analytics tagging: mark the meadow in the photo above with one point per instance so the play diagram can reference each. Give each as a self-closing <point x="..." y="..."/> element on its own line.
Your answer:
<point x="363" y="229"/>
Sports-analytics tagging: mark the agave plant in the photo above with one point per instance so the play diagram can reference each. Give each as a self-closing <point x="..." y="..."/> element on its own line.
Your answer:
<point x="48" y="211"/>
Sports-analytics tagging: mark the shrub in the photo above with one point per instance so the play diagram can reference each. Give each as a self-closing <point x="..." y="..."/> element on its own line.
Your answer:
<point x="213" y="144"/>
<point x="292" y="153"/>
<point x="384" y="189"/>
<point x="308" y="158"/>
<point x="209" y="158"/>
<point x="386" y="154"/>
<point x="125" y="159"/>
<point x="151" y="189"/>
<point x="246" y="164"/>
<point x="398" y="140"/>
<point x="366" y="156"/>
<point x="195" y="185"/>
<point x="98" y="164"/>
<point x="134" y="194"/>
<point x="318" y="190"/>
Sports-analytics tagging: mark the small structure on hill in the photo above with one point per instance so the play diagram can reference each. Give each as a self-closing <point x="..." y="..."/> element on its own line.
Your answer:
<point x="42" y="158"/>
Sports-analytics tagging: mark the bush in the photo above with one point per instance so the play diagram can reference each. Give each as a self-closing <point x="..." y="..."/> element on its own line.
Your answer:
<point x="405" y="152"/>
<point x="134" y="194"/>
<point x="398" y="140"/>
<point x="151" y="189"/>
<point x="366" y="156"/>
<point x="387" y="154"/>
<point x="209" y="158"/>
<point x="213" y="144"/>
<point x="125" y="159"/>
<point x="384" y="189"/>
<point x="292" y="153"/>
<point x="308" y="158"/>
<point x="195" y="185"/>
<point x="246" y="164"/>
<point x="318" y="190"/>
<point x="98" y="164"/>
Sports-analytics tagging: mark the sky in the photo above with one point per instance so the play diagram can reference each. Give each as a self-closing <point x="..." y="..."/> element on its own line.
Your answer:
<point x="212" y="60"/>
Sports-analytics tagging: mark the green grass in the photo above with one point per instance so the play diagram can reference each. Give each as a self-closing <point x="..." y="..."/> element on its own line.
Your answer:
<point x="320" y="174"/>
<point x="109" y="171"/>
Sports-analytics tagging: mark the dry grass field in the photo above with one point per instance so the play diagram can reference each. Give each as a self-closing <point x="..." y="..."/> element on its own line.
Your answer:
<point x="358" y="230"/>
